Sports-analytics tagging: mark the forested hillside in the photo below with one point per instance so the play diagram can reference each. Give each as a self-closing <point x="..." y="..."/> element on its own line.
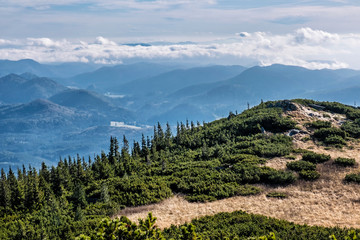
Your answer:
<point x="201" y="161"/>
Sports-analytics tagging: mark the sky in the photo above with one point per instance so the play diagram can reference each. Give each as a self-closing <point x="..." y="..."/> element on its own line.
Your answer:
<point x="312" y="34"/>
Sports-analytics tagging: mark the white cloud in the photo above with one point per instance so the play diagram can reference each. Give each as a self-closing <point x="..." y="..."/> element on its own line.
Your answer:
<point x="5" y="42"/>
<point x="310" y="36"/>
<point x="46" y="42"/>
<point x="103" y="41"/>
<point x="304" y="47"/>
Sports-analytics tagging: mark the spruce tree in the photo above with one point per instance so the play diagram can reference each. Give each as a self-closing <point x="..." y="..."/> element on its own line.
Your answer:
<point x="44" y="172"/>
<point x="104" y="194"/>
<point x="32" y="196"/>
<point x="111" y="154"/>
<point x="168" y="135"/>
<point x="4" y="191"/>
<point x="78" y="197"/>
<point x="17" y="196"/>
<point x="125" y="156"/>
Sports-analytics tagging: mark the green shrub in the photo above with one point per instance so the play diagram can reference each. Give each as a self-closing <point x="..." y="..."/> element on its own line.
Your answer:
<point x="353" y="114"/>
<point x="345" y="162"/>
<point x="353" y="177"/>
<point x="300" y="165"/>
<point x="319" y="124"/>
<point x="315" y="157"/>
<point x="246" y="190"/>
<point x="136" y="191"/>
<point x="265" y="146"/>
<point x="240" y="225"/>
<point x="309" y="175"/>
<point x="352" y="128"/>
<point x="272" y="176"/>
<point x="334" y="140"/>
<point x="223" y="191"/>
<point x="268" y="118"/>
<point x="323" y="133"/>
<point x="243" y="158"/>
<point x="276" y="195"/>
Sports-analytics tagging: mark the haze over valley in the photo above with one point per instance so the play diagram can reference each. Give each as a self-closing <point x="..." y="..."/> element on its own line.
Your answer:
<point x="69" y="115"/>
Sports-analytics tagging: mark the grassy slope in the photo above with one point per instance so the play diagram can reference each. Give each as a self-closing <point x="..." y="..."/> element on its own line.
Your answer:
<point x="226" y="158"/>
<point x="327" y="201"/>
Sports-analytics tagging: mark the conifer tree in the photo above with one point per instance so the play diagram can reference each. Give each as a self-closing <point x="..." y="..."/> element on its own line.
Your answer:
<point x="55" y="181"/>
<point x="161" y="137"/>
<point x="16" y="195"/>
<point x="116" y="148"/>
<point x="4" y="191"/>
<point x="19" y="175"/>
<point x="44" y="172"/>
<point x="111" y="154"/>
<point x="79" y="215"/>
<point x="125" y="148"/>
<point x="125" y="156"/>
<point x="192" y="125"/>
<point x="136" y="151"/>
<point x="155" y="138"/>
<point x="80" y="173"/>
<point x="104" y="194"/>
<point x="45" y="189"/>
<point x="178" y="133"/>
<point x="144" y="148"/>
<point x="168" y="135"/>
<point x="32" y="196"/>
<point x="78" y="196"/>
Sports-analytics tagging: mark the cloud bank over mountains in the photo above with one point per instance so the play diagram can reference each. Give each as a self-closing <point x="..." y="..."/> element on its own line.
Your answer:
<point x="304" y="47"/>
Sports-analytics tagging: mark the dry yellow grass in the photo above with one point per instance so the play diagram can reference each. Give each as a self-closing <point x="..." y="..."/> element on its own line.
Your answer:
<point x="327" y="201"/>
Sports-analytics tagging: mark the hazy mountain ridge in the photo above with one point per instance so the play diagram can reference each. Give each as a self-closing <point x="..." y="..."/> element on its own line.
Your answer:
<point x="109" y="78"/>
<point x="268" y="83"/>
<point x="44" y="70"/>
<point x="174" y="80"/>
<point x="18" y="89"/>
<point x="153" y="93"/>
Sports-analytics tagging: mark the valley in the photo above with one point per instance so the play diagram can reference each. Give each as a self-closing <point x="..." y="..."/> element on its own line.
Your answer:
<point x="74" y="108"/>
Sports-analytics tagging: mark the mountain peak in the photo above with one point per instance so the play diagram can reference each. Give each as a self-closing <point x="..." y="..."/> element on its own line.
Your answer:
<point x="28" y="76"/>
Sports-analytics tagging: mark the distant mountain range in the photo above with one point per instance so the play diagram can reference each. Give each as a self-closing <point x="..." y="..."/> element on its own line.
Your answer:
<point x="69" y="108"/>
<point x="27" y="87"/>
<point x="107" y="78"/>
<point x="44" y="70"/>
<point x="174" y="80"/>
<point x="269" y="83"/>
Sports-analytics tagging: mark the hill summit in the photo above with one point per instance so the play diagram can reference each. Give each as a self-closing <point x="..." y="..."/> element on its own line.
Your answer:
<point x="295" y="160"/>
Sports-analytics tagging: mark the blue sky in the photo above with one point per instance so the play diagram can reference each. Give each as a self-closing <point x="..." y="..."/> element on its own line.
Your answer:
<point x="169" y="19"/>
<point x="38" y="26"/>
